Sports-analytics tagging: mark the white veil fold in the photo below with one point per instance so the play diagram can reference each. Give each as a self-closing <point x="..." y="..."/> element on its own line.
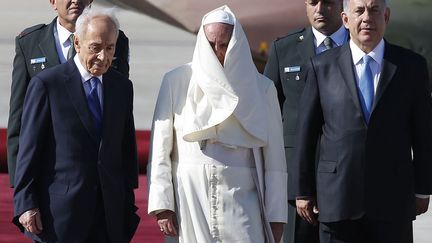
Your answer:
<point x="225" y="104"/>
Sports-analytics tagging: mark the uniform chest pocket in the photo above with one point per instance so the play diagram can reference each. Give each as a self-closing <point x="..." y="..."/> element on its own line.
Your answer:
<point x="293" y="73"/>
<point x="293" y="76"/>
<point x="37" y="64"/>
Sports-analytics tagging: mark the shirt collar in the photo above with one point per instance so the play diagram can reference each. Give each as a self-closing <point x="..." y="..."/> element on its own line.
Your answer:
<point x="337" y="37"/>
<point x="63" y="34"/>
<point x="85" y="75"/>
<point x="377" y="53"/>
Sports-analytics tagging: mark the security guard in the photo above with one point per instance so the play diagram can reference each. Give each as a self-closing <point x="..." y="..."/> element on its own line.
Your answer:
<point x="286" y="67"/>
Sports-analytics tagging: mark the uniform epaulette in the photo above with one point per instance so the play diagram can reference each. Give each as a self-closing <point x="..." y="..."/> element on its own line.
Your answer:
<point x="30" y="30"/>
<point x="293" y="32"/>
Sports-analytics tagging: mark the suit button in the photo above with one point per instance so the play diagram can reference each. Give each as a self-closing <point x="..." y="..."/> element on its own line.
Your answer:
<point x="99" y="162"/>
<point x="95" y="188"/>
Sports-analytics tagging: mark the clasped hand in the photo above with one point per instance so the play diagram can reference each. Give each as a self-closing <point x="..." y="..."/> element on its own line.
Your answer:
<point x="307" y="210"/>
<point x="167" y="222"/>
<point x="31" y="221"/>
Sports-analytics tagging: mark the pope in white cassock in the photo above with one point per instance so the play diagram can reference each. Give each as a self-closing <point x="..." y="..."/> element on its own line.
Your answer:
<point x="217" y="164"/>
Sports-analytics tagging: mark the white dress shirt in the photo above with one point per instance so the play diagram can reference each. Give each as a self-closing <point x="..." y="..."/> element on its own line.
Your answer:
<point x="339" y="38"/>
<point x="377" y="55"/>
<point x="61" y="35"/>
<point x="85" y="75"/>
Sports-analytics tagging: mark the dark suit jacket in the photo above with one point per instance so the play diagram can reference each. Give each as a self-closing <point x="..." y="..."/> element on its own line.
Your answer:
<point x="293" y="50"/>
<point x="36" y="42"/>
<point x="365" y="169"/>
<point x="61" y="166"/>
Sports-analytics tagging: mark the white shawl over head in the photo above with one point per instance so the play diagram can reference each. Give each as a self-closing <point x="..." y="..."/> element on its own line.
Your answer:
<point x="225" y="104"/>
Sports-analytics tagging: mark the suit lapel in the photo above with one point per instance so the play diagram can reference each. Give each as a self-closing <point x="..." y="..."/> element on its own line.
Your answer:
<point x="305" y="46"/>
<point x="48" y="46"/>
<point x="74" y="88"/>
<point x="346" y="67"/>
<point x="387" y="72"/>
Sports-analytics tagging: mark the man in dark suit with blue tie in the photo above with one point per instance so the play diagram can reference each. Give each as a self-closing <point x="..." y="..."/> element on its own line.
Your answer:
<point x="370" y="102"/>
<point x="77" y="162"/>
<point x="43" y="46"/>
<point x="286" y="66"/>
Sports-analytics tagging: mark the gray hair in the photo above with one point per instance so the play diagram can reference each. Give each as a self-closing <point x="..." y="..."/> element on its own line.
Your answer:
<point x="346" y="5"/>
<point x="91" y="13"/>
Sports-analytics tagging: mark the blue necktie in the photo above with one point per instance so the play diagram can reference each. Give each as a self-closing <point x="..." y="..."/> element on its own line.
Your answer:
<point x="94" y="105"/>
<point x="366" y="85"/>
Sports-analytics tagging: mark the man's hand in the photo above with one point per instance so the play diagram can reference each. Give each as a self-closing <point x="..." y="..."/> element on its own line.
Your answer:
<point x="31" y="221"/>
<point x="306" y="208"/>
<point x="422" y="205"/>
<point x="277" y="230"/>
<point x="167" y="222"/>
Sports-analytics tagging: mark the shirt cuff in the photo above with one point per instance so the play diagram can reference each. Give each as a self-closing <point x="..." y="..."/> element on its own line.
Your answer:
<point x="422" y="196"/>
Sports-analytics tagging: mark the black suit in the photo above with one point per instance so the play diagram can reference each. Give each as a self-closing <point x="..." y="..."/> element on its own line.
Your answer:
<point x="33" y="43"/>
<point x="64" y="170"/>
<point x="365" y="170"/>
<point x="293" y="50"/>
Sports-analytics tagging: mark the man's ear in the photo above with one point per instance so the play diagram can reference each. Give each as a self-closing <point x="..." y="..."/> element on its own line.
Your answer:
<point x="77" y="44"/>
<point x="344" y="17"/>
<point x="53" y="4"/>
<point x="387" y="15"/>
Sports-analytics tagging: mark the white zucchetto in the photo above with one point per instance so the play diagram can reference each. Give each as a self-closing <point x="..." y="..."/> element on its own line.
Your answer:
<point x="218" y="16"/>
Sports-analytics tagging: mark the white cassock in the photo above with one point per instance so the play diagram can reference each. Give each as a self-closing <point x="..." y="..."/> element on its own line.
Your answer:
<point x="217" y="156"/>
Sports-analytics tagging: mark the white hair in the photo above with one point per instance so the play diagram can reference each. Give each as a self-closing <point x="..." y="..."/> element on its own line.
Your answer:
<point x="346" y="5"/>
<point x="90" y="13"/>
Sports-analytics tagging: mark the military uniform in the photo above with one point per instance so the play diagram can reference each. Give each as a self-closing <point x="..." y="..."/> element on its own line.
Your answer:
<point x="286" y="67"/>
<point x="35" y="50"/>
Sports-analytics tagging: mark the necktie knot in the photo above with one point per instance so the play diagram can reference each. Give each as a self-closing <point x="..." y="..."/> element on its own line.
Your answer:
<point x="328" y="43"/>
<point x="367" y="60"/>
<point x="71" y="38"/>
<point x="94" y="82"/>
<point x="71" y="53"/>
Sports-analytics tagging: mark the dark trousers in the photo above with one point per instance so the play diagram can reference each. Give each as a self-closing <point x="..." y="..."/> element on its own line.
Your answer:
<point x="298" y="230"/>
<point x="366" y="230"/>
<point x="305" y="232"/>
<point x="98" y="233"/>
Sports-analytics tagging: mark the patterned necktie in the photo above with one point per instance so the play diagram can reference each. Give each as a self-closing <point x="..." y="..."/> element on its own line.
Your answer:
<point x="366" y="86"/>
<point x="328" y="43"/>
<point x="71" y="53"/>
<point x="94" y="105"/>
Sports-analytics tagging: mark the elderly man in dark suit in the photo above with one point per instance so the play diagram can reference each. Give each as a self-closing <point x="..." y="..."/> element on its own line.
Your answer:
<point x="371" y="103"/>
<point x="286" y="67"/>
<point x="43" y="46"/>
<point x="77" y="162"/>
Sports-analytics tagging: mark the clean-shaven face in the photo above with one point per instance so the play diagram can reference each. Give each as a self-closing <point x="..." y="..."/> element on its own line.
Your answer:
<point x="366" y="21"/>
<point x="96" y="46"/>
<point x="324" y="15"/>
<point x="68" y="11"/>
